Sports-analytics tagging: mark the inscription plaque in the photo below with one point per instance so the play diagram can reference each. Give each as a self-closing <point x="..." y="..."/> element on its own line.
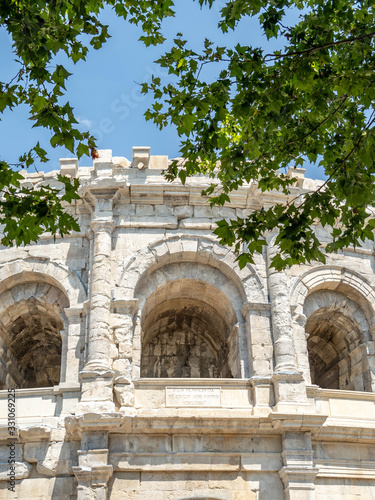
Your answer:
<point x="193" y="396"/>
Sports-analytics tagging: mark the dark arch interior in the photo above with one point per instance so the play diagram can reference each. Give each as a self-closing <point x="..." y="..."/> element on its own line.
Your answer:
<point x="336" y="351"/>
<point x="185" y="336"/>
<point x="31" y="345"/>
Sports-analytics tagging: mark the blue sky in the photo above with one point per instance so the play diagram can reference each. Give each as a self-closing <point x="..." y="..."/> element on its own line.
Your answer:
<point x="105" y="92"/>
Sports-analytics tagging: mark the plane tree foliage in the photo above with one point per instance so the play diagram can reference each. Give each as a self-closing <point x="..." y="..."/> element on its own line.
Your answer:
<point x="40" y="30"/>
<point x="264" y="112"/>
<point x="310" y="102"/>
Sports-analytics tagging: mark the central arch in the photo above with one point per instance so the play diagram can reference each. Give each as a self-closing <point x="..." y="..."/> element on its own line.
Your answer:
<point x="186" y="332"/>
<point x="197" y="258"/>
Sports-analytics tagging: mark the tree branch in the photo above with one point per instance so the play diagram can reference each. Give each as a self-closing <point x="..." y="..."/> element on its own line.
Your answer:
<point x="315" y="48"/>
<point x="321" y="123"/>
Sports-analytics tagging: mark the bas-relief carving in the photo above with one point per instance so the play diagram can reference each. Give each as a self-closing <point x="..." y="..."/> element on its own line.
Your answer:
<point x="150" y="366"/>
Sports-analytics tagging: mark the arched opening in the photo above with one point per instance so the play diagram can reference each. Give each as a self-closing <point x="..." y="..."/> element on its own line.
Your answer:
<point x="30" y="335"/>
<point x="189" y="330"/>
<point x="336" y="334"/>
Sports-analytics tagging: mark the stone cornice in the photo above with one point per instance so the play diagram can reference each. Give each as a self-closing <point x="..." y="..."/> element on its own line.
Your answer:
<point x="255" y="306"/>
<point x="206" y="421"/>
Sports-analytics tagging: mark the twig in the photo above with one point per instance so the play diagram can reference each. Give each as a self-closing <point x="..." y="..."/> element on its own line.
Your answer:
<point x="319" y="47"/>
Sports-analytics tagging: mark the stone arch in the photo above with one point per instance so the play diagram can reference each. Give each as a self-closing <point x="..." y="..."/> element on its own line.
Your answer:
<point x="333" y="325"/>
<point x="342" y="279"/>
<point x="191" y="248"/>
<point x="191" y="263"/>
<point x="43" y="270"/>
<point x="33" y="296"/>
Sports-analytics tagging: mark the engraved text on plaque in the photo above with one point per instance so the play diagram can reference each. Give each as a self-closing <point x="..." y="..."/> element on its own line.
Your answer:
<point x="193" y="396"/>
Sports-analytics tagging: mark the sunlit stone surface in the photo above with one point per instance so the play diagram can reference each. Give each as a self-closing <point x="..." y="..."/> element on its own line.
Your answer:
<point x="148" y="366"/>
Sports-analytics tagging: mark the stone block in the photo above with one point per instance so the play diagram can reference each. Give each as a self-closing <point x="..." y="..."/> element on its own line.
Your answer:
<point x="141" y="157"/>
<point x="159" y="162"/>
<point x="69" y="167"/>
<point x="19" y="470"/>
<point x="144" y="210"/>
<point x="122" y="367"/>
<point x="183" y="212"/>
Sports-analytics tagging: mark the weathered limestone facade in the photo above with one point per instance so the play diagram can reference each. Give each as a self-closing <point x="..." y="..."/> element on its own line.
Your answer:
<point x="149" y="366"/>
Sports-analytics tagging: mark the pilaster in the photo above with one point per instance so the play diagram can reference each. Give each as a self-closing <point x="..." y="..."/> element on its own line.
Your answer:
<point x="73" y="343"/>
<point x="298" y="473"/>
<point x="123" y="315"/>
<point x="93" y="471"/>
<point x="300" y="341"/>
<point x="258" y="327"/>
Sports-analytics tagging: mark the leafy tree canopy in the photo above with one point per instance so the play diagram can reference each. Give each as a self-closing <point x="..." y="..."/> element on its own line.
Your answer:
<point x="309" y="102"/>
<point x="312" y="101"/>
<point x="40" y="30"/>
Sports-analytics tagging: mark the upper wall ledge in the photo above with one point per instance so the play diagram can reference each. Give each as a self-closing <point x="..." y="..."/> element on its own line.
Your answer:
<point x="143" y="169"/>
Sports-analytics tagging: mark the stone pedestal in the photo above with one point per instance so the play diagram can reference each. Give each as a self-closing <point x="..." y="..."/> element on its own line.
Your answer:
<point x="263" y="395"/>
<point x="92" y="481"/>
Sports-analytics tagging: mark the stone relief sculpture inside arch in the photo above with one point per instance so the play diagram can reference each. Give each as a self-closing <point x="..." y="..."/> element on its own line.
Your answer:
<point x="337" y="332"/>
<point x="30" y="338"/>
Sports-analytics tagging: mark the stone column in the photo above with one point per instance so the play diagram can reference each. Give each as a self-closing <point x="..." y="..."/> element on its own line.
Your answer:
<point x="281" y="318"/>
<point x="123" y="327"/>
<point x="298" y="473"/>
<point x="97" y="375"/>
<point x="100" y="297"/>
<point x="287" y="379"/>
